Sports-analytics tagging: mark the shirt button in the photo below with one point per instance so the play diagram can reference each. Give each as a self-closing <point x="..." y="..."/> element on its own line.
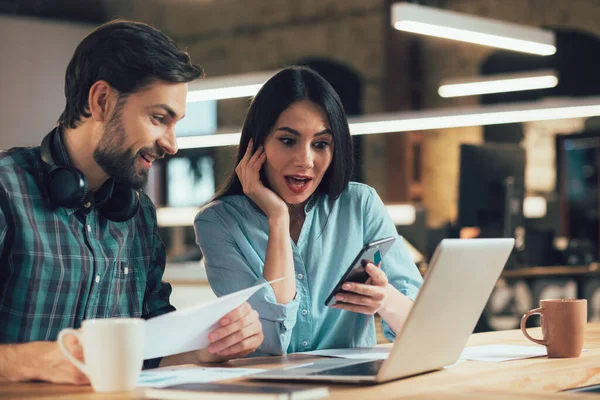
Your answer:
<point x="305" y="312"/>
<point x="300" y="276"/>
<point x="97" y="278"/>
<point x="89" y="228"/>
<point x="87" y="205"/>
<point x="305" y="343"/>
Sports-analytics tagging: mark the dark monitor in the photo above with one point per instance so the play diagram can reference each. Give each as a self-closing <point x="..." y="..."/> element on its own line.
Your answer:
<point x="578" y="163"/>
<point x="540" y="233"/>
<point x="491" y="188"/>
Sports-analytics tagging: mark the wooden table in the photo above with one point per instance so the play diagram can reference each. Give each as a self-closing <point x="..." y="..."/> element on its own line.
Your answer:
<point x="536" y="378"/>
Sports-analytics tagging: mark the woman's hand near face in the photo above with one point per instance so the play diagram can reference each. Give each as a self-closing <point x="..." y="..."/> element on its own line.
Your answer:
<point x="248" y="172"/>
<point x="279" y="260"/>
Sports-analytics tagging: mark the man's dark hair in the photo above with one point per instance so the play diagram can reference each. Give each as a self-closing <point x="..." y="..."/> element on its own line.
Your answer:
<point x="288" y="86"/>
<point x="129" y="56"/>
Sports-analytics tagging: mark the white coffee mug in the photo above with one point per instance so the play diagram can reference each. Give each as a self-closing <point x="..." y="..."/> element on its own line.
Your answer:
<point x="113" y="350"/>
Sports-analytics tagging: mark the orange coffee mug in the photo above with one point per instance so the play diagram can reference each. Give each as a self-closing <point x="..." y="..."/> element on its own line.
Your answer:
<point x="563" y="326"/>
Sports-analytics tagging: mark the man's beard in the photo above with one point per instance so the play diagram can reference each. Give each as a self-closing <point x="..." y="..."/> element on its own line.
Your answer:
<point x="116" y="160"/>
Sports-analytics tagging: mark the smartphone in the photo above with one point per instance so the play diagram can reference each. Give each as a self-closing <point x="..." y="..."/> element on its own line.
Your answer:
<point x="372" y="252"/>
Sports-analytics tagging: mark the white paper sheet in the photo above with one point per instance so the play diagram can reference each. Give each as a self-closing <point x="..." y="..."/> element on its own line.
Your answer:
<point x="455" y="364"/>
<point x="490" y="353"/>
<point x="501" y="352"/>
<point x="188" y="329"/>
<point x="355" y="353"/>
<point x="163" y="377"/>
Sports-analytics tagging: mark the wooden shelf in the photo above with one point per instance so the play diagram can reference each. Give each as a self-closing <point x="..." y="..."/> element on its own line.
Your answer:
<point x="537" y="272"/>
<point x="559" y="270"/>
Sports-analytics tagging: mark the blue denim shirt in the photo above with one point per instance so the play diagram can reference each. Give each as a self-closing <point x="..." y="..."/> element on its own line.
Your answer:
<point x="233" y="235"/>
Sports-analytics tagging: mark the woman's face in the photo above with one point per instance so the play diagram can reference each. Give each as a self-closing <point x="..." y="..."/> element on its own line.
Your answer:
<point x="299" y="151"/>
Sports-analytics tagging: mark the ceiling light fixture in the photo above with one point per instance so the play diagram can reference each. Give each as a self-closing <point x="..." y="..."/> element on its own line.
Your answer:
<point x="500" y="83"/>
<point x="201" y="141"/>
<point x="472" y="29"/>
<point x="478" y="116"/>
<point x="227" y="87"/>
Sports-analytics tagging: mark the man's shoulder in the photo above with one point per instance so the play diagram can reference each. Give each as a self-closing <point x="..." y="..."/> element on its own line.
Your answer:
<point x="20" y="157"/>
<point x="17" y="162"/>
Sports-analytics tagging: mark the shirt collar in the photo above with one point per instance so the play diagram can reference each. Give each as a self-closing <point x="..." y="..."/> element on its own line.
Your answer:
<point x="311" y="203"/>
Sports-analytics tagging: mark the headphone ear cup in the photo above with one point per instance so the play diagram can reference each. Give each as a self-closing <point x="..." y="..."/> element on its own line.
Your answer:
<point x="123" y="204"/>
<point x="66" y="187"/>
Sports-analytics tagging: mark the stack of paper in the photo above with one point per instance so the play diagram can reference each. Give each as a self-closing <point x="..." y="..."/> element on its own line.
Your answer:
<point x="163" y="377"/>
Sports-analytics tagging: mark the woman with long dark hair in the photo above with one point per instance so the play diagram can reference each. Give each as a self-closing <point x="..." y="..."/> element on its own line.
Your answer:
<point x="289" y="210"/>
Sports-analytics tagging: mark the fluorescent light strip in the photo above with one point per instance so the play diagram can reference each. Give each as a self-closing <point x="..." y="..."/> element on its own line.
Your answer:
<point x="223" y="93"/>
<point x="220" y="139"/>
<point x="484" y="39"/>
<point x="227" y="87"/>
<point x="472" y="29"/>
<point x="498" y="84"/>
<point x="441" y="119"/>
<point x="477" y="116"/>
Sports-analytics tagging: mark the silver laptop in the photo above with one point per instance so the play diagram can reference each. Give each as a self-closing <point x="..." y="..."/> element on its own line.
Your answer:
<point x="459" y="281"/>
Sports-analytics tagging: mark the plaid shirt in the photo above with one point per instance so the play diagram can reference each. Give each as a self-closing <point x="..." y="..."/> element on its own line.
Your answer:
<point x="61" y="266"/>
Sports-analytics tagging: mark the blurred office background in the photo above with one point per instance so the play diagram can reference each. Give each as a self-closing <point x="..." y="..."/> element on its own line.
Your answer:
<point x="448" y="164"/>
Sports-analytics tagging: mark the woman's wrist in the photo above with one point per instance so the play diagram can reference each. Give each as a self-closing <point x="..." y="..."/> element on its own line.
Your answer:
<point x="391" y="294"/>
<point x="279" y="219"/>
<point x="396" y="309"/>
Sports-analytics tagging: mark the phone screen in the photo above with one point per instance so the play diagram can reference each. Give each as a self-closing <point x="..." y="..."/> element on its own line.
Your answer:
<point x="356" y="272"/>
<point x="359" y="272"/>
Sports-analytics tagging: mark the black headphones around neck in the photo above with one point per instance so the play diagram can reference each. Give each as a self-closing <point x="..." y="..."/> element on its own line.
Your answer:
<point x="66" y="186"/>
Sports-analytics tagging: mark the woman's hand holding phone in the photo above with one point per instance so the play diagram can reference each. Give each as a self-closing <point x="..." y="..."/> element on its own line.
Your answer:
<point x="365" y="298"/>
<point x="248" y="172"/>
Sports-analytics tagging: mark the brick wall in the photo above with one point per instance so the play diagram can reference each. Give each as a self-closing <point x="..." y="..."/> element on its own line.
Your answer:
<point x="235" y="36"/>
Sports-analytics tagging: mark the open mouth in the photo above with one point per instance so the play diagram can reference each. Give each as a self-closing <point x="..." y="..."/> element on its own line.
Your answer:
<point x="296" y="183"/>
<point x="148" y="158"/>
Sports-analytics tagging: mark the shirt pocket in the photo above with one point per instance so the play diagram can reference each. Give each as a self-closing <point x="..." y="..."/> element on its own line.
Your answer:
<point x="127" y="289"/>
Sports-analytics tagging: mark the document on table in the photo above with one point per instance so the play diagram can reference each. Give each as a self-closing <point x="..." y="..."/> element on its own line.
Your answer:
<point x="188" y="329"/>
<point x="163" y="377"/>
<point x="490" y="353"/>
<point x="501" y="352"/>
<point x="354" y="353"/>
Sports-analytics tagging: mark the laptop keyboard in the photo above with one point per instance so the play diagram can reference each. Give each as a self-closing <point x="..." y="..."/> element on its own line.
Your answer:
<point x="369" y="368"/>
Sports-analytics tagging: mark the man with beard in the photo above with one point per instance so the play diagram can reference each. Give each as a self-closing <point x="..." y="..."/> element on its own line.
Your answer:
<point x="78" y="238"/>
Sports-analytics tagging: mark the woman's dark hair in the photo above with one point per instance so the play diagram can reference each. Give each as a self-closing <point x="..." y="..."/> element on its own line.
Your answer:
<point x="129" y="56"/>
<point x="277" y="94"/>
